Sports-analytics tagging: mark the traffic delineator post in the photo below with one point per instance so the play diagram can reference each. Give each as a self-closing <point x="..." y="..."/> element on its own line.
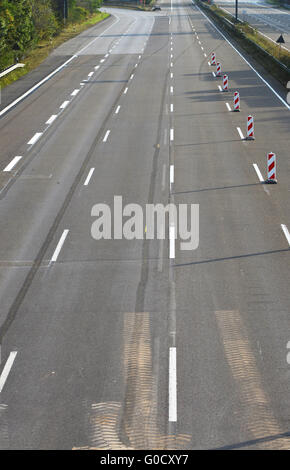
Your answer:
<point x="250" y="128"/>
<point x="213" y="59"/>
<point x="218" y="70"/>
<point x="271" y="168"/>
<point x="225" y="83"/>
<point x="236" y="102"/>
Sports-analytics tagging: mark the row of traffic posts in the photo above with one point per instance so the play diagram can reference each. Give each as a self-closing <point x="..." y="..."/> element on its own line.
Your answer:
<point x="271" y="157"/>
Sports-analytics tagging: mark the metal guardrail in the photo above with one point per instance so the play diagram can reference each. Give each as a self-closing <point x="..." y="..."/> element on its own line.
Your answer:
<point x="10" y="69"/>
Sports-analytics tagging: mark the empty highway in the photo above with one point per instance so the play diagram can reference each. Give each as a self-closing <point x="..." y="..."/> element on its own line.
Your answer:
<point x="139" y="344"/>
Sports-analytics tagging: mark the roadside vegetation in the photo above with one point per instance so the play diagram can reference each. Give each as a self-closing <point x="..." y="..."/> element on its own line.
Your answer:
<point x="275" y="59"/>
<point x="31" y="29"/>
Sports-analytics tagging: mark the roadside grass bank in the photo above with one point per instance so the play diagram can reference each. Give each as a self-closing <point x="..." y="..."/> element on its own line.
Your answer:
<point x="274" y="59"/>
<point x="41" y="51"/>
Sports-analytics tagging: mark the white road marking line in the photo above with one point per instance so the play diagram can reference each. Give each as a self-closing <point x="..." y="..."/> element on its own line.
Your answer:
<point x="90" y="74"/>
<point x="89" y="176"/>
<point x="132" y="76"/>
<point x="125" y="91"/>
<point x="220" y="88"/>
<point x="110" y="51"/>
<point x="35" y="138"/>
<point x="228" y="106"/>
<point x="102" y="60"/>
<point x="171" y="242"/>
<point x="107" y="55"/>
<point x="117" y="110"/>
<point x="12" y="164"/>
<point x="204" y="54"/>
<point x="139" y="57"/>
<point x="258" y="172"/>
<point x="171" y="56"/>
<point x="82" y="84"/>
<point x="199" y="42"/>
<point x="64" y="104"/>
<point x="59" y="246"/>
<point x="75" y="92"/>
<point x="136" y="65"/>
<point x="286" y="233"/>
<point x="213" y="74"/>
<point x="171" y="74"/>
<point x="7" y="368"/>
<point x="248" y="63"/>
<point x="171" y="64"/>
<point x="51" y="119"/>
<point x="171" y="107"/>
<point x="171" y="134"/>
<point x="171" y="174"/>
<point x="106" y="136"/>
<point x="171" y="89"/>
<point x="172" y="386"/>
<point x="240" y="132"/>
<point x="209" y="63"/>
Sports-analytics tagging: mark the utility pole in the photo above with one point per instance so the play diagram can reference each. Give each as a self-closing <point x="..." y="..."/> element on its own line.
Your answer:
<point x="236" y="16"/>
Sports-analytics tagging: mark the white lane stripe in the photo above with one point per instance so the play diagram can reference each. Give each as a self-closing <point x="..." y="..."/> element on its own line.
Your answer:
<point x="107" y="55"/>
<point x="97" y="67"/>
<point x="51" y="119"/>
<point x="257" y="169"/>
<point x="228" y="106"/>
<point x="59" y="246"/>
<point x="241" y="134"/>
<point x="172" y="386"/>
<point x="248" y="63"/>
<point x="89" y="176"/>
<point x="64" y="104"/>
<point x="117" y="110"/>
<point x="132" y="76"/>
<point x="106" y="136"/>
<point x="171" y="174"/>
<point x="171" y="242"/>
<point x="12" y="163"/>
<point x="171" y="74"/>
<point x="35" y="138"/>
<point x="220" y="88"/>
<point x="7" y="368"/>
<point x="171" y="107"/>
<point x="171" y="64"/>
<point x="171" y="134"/>
<point x="171" y="89"/>
<point x="209" y="63"/>
<point x="286" y="233"/>
<point x="102" y="60"/>
<point x="75" y="92"/>
<point x="213" y="74"/>
<point x="125" y="91"/>
<point x="204" y="54"/>
<point x="90" y="74"/>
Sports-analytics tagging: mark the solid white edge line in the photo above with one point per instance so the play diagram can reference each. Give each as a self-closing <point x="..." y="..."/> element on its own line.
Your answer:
<point x="257" y="169"/>
<point x="172" y="386"/>
<point x="286" y="233"/>
<point x="89" y="176"/>
<point x="51" y="119"/>
<point x="240" y="132"/>
<point x="6" y="369"/>
<point x="35" y="138"/>
<point x="59" y="246"/>
<point x="106" y="136"/>
<point x="12" y="164"/>
<point x="248" y="63"/>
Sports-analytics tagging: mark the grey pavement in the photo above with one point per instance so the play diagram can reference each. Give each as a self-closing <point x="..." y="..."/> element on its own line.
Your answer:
<point x="97" y="324"/>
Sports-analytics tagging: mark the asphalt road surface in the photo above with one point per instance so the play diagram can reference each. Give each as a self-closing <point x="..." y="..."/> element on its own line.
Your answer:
<point x="138" y="344"/>
<point x="268" y="20"/>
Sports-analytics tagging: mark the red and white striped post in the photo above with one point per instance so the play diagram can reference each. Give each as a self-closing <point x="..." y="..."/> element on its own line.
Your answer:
<point x="271" y="168"/>
<point x="218" y="70"/>
<point x="213" y="60"/>
<point x="250" y="128"/>
<point x="237" y="101"/>
<point x="225" y="83"/>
